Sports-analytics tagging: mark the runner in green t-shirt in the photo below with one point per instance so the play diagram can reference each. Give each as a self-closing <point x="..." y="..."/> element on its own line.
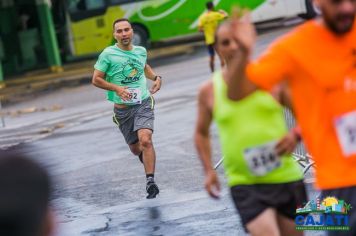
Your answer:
<point x="122" y="70"/>
<point x="266" y="183"/>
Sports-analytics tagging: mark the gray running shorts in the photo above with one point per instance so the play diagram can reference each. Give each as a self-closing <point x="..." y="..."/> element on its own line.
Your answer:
<point x="133" y="118"/>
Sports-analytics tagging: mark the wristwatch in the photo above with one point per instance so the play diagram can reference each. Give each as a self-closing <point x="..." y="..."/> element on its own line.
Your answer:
<point x="156" y="77"/>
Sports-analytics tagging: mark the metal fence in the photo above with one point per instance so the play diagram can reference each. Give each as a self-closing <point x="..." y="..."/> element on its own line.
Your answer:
<point x="300" y="154"/>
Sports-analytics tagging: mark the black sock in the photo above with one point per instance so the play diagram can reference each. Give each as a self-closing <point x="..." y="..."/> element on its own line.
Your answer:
<point x="150" y="177"/>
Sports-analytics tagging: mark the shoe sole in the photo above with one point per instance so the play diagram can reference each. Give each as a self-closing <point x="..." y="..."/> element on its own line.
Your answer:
<point x="152" y="191"/>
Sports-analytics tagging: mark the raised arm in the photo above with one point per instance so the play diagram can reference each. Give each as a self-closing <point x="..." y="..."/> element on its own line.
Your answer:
<point x="244" y="34"/>
<point x="99" y="81"/>
<point x="202" y="140"/>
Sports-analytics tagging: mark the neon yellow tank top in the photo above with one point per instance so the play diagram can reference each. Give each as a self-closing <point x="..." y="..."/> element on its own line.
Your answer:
<point x="253" y="121"/>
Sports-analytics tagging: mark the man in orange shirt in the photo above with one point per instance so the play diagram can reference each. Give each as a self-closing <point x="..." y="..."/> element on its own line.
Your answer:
<point x="318" y="61"/>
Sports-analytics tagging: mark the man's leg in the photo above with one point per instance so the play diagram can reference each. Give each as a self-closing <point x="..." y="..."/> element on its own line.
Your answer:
<point x="136" y="150"/>
<point x="126" y="128"/>
<point x="149" y="160"/>
<point x="290" y="195"/>
<point x="287" y="226"/>
<point x="265" y="224"/>
<point x="211" y="51"/>
<point x="211" y="63"/>
<point x="149" y="155"/>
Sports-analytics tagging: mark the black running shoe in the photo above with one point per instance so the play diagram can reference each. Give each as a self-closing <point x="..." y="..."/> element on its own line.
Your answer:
<point x="152" y="189"/>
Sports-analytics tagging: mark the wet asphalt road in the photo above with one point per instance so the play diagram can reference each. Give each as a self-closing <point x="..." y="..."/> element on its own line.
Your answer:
<point x="99" y="187"/>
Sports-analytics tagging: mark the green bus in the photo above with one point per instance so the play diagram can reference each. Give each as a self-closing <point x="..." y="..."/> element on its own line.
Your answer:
<point x="88" y="23"/>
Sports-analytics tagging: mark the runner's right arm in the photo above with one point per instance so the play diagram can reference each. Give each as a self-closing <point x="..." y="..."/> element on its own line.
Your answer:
<point x="99" y="81"/>
<point x="202" y="141"/>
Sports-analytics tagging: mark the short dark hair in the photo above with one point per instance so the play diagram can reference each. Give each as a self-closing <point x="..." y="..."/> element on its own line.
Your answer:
<point x="25" y="194"/>
<point x="210" y="5"/>
<point x="120" y="20"/>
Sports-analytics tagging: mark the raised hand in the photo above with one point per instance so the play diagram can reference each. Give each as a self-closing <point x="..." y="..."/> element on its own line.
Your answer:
<point x="243" y="30"/>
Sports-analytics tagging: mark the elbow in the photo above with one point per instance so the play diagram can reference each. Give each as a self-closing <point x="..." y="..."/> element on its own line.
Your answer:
<point x="197" y="139"/>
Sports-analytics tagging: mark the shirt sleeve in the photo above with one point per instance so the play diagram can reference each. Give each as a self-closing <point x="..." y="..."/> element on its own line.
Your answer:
<point x="272" y="67"/>
<point x="102" y="63"/>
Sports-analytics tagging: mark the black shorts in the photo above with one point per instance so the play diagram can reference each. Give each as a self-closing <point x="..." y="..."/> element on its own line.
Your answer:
<point x="349" y="196"/>
<point x="251" y="200"/>
<point x="211" y="49"/>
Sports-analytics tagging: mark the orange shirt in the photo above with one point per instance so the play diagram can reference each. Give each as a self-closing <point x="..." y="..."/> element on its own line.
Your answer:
<point x="320" y="69"/>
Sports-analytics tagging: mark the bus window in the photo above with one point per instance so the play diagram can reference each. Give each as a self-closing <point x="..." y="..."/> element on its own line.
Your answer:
<point x="85" y="5"/>
<point x="95" y="4"/>
<point x="115" y="2"/>
<point x="82" y="9"/>
<point x="89" y="29"/>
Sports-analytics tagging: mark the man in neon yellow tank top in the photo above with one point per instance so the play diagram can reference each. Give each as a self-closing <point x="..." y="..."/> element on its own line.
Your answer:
<point x="266" y="183"/>
<point x="122" y="70"/>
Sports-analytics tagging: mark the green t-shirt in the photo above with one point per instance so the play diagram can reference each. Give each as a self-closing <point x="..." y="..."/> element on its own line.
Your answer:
<point x="249" y="123"/>
<point x="124" y="68"/>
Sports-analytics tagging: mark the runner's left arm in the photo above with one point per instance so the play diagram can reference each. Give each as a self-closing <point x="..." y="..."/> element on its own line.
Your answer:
<point x="151" y="75"/>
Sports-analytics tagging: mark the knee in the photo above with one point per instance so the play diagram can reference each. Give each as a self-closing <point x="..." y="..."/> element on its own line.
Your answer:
<point x="146" y="142"/>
